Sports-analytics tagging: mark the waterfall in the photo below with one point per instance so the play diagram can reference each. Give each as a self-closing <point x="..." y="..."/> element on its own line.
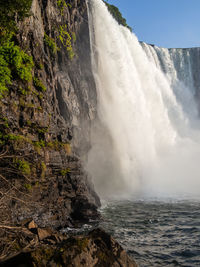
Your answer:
<point x="146" y="140"/>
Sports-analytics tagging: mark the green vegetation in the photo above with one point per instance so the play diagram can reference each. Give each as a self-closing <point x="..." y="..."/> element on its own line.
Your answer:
<point x="4" y="123"/>
<point x="23" y="166"/>
<point x="12" y="10"/>
<point x="39" y="85"/>
<point x="74" y="37"/>
<point x="22" y="91"/>
<point x="7" y="138"/>
<point x="40" y="144"/>
<point x="28" y="187"/>
<point x="43" y="170"/>
<point x="50" y="42"/>
<point x="14" y="63"/>
<point x="117" y="15"/>
<point x="61" y="5"/>
<point x="65" y="39"/>
<point x="65" y="171"/>
<point x="5" y="76"/>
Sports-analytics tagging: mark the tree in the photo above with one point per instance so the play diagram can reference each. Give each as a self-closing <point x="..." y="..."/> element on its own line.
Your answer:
<point x="117" y="15"/>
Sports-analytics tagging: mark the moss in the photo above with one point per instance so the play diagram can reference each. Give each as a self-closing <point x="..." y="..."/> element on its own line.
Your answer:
<point x="54" y="145"/>
<point x="50" y="42"/>
<point x="39" y="66"/>
<point x="65" y="171"/>
<point x="10" y="10"/>
<point x="5" y="76"/>
<point x="65" y="39"/>
<point x="14" y="64"/>
<point x="61" y="5"/>
<point x="28" y="187"/>
<point x="74" y="37"/>
<point x="23" y="166"/>
<point x="4" y="122"/>
<point x="39" y="85"/>
<point x="40" y="95"/>
<point x="43" y="170"/>
<point x="14" y="138"/>
<point x="28" y="123"/>
<point x="30" y="106"/>
<point x="39" y="144"/>
<point x="42" y="130"/>
<point x="23" y="91"/>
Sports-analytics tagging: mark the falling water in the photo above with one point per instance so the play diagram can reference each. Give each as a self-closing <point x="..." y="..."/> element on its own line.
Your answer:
<point x="146" y="139"/>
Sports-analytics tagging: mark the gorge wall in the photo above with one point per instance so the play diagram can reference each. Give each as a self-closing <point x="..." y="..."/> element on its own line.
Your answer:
<point x="45" y="122"/>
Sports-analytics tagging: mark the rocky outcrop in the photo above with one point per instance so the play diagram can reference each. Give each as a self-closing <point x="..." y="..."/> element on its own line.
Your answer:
<point x="47" y="121"/>
<point x="94" y="249"/>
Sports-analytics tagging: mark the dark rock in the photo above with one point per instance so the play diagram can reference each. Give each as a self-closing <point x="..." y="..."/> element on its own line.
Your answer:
<point x="95" y="249"/>
<point x="62" y="114"/>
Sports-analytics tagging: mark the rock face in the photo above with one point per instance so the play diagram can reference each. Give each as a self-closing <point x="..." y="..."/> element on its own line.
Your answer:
<point x="48" y="125"/>
<point x="95" y="249"/>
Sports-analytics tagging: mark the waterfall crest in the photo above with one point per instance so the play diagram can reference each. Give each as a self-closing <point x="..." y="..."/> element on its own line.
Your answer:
<point x="146" y="139"/>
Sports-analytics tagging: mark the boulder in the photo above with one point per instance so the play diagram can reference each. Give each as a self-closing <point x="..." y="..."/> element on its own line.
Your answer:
<point x="96" y="249"/>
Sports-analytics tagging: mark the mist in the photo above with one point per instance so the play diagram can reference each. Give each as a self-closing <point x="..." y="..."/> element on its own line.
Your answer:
<point x="146" y="139"/>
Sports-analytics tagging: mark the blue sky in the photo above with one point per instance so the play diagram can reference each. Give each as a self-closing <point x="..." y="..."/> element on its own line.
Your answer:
<point x="166" y="23"/>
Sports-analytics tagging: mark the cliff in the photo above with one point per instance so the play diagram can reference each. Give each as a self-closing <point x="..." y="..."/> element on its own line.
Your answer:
<point x="45" y="119"/>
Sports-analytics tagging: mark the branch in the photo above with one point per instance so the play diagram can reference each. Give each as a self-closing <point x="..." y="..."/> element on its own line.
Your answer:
<point x="14" y="186"/>
<point x="15" y="171"/>
<point x="12" y="227"/>
<point x="16" y="198"/>
<point x="3" y="153"/>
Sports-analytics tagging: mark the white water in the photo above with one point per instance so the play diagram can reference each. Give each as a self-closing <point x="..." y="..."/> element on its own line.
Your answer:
<point x="147" y="138"/>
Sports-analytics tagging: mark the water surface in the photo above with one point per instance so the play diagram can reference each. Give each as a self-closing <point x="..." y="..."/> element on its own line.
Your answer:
<point x="156" y="233"/>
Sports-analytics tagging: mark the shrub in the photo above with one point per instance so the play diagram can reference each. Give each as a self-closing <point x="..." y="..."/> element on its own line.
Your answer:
<point x="14" y="63"/>
<point x="117" y="15"/>
<point x="5" y="76"/>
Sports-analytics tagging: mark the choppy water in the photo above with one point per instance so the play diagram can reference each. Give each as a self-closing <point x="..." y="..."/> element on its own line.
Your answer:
<point x="156" y="233"/>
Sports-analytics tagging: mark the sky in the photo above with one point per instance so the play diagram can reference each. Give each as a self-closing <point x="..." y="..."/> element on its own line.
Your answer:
<point x="165" y="23"/>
